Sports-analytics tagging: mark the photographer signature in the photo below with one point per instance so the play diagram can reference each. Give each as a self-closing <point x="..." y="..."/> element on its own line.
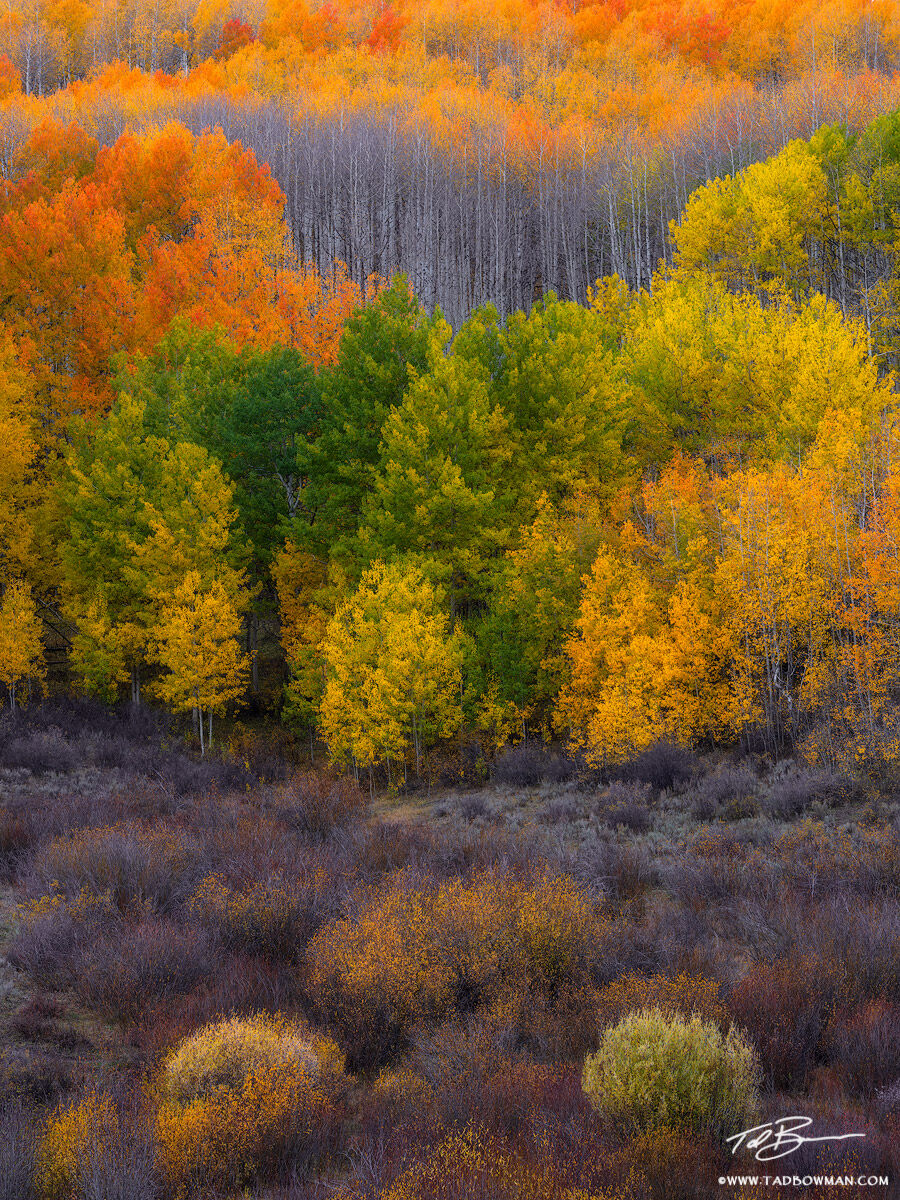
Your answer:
<point x="778" y="1139"/>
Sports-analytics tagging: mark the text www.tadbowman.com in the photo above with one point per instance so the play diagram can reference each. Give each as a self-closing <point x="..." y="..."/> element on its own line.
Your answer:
<point x="805" y="1181"/>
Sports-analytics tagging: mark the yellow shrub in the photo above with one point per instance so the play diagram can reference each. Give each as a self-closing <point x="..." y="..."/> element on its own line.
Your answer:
<point x="658" y="1070"/>
<point x="423" y="953"/>
<point x="227" y="1140"/>
<point x="683" y="993"/>
<point x="243" y="1097"/>
<point x="475" y="1164"/>
<point x="70" y="1139"/>
<point x="223" y="1056"/>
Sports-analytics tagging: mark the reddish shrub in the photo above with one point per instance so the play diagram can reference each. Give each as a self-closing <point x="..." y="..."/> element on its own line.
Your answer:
<point x="785" y="1008"/>
<point x="34" y="1020"/>
<point x="152" y="960"/>
<point x="865" y="1048"/>
<point x="317" y="804"/>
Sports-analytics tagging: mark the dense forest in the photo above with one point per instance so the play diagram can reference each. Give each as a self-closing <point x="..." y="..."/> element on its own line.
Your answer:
<point x="658" y="513"/>
<point x="424" y="377"/>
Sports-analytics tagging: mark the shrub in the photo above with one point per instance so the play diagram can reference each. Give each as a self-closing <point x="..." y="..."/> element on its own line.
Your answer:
<point x="472" y="807"/>
<point x="683" y="994"/>
<point x="621" y="872"/>
<point x="73" y="1138"/>
<point x="666" y="1071"/>
<point x="223" y="1056"/>
<point x="791" y="794"/>
<point x="420" y="953"/>
<point x="560" y="810"/>
<point x="35" y="1018"/>
<point x="866" y="1048"/>
<point x="679" y="1165"/>
<point x="316" y="804"/>
<point x="124" y="970"/>
<point x="56" y="930"/>
<point x="633" y="817"/>
<point x="402" y="1095"/>
<point x="273" y="918"/>
<point x="663" y="766"/>
<point x="243" y="1098"/>
<point x="135" y="864"/>
<point x="474" y="1163"/>
<point x="15" y="838"/>
<point x="728" y="791"/>
<point x="17" y="1152"/>
<point x="40" y="752"/>
<point x="784" y="1007"/>
<point x="530" y="763"/>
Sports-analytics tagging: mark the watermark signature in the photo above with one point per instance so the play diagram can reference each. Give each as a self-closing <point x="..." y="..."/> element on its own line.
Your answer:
<point x="778" y="1139"/>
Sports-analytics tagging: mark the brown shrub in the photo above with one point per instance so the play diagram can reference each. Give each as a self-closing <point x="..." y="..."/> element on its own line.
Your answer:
<point x="18" y="1139"/>
<point x="151" y="960"/>
<point x="274" y="918"/>
<point x="15" y="838"/>
<point x="677" y="1166"/>
<point x="150" y="866"/>
<point x="864" y="1047"/>
<point x="317" y="804"/>
<point x="56" y="931"/>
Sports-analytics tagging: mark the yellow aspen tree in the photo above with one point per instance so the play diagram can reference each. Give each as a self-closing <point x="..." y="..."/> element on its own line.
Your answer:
<point x="309" y="592"/>
<point x="393" y="677"/>
<point x="198" y="645"/>
<point x="99" y="652"/>
<point x="21" y="648"/>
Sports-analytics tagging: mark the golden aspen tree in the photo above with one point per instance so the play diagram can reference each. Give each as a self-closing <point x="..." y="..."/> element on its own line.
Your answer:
<point x="753" y="230"/>
<point x="309" y="592"/>
<point x="21" y="647"/>
<point x="198" y="645"/>
<point x="98" y="655"/>
<point x="393" y="670"/>
<point x="16" y="461"/>
<point x="653" y="653"/>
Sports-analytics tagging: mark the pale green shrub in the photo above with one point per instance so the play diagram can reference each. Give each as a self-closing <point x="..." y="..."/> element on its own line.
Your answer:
<point x="655" y="1071"/>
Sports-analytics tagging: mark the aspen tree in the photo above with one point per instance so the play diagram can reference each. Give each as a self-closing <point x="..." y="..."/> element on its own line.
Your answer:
<point x="21" y="648"/>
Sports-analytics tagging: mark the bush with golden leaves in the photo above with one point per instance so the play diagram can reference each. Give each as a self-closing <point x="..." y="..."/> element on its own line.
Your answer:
<point x="683" y="993"/>
<point x="270" y="917"/>
<point x="473" y="1163"/>
<point x="244" y="1098"/>
<point x="659" y="1070"/>
<point x="73" y="1136"/>
<point x="420" y="952"/>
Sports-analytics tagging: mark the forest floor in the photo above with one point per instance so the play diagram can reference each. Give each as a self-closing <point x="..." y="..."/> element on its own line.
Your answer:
<point x="771" y="890"/>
